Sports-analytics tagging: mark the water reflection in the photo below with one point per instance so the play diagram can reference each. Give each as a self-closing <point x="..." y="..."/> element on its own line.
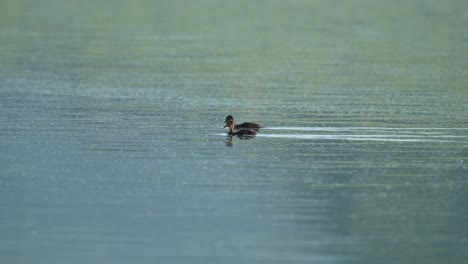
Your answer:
<point x="230" y="139"/>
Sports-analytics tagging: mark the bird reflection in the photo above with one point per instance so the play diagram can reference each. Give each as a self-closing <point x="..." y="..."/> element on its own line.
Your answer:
<point x="230" y="139"/>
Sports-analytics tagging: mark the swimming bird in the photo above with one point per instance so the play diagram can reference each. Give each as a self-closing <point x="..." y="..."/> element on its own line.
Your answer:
<point x="252" y="126"/>
<point x="241" y="133"/>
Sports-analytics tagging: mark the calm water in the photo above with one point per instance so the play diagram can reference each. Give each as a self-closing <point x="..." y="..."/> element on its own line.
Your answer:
<point x="112" y="147"/>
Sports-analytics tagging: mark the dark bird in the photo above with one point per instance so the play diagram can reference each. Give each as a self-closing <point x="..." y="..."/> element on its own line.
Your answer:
<point x="249" y="126"/>
<point x="244" y="133"/>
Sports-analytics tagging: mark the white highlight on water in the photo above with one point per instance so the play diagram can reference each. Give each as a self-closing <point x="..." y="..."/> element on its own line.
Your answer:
<point x="361" y="128"/>
<point x="387" y="134"/>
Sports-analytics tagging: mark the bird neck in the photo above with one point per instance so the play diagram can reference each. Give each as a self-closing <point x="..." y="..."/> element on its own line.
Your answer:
<point x="231" y="127"/>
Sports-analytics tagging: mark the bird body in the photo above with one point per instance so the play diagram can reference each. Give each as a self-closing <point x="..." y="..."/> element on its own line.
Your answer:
<point x="246" y="125"/>
<point x="246" y="129"/>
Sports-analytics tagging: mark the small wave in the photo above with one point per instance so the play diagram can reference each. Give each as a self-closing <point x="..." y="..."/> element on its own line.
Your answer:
<point x="362" y="128"/>
<point x="386" y="134"/>
<point x="380" y="137"/>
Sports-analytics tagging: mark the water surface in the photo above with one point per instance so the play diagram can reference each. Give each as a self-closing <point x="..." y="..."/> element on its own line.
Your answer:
<point x="113" y="151"/>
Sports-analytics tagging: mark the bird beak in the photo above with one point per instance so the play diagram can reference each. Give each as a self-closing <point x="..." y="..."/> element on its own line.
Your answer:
<point x="225" y="124"/>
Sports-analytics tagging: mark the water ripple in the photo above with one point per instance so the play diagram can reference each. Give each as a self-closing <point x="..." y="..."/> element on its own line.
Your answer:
<point x="388" y="134"/>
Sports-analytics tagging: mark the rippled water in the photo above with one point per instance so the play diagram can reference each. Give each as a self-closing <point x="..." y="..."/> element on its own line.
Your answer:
<point x="113" y="151"/>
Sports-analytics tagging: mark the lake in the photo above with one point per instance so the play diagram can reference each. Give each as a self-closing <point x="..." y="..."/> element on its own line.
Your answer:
<point x="113" y="148"/>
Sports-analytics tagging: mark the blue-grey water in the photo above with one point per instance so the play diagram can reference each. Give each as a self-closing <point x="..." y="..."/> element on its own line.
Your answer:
<point x="112" y="148"/>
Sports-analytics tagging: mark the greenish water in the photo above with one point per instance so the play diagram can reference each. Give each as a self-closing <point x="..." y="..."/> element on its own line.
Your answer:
<point x="112" y="147"/>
